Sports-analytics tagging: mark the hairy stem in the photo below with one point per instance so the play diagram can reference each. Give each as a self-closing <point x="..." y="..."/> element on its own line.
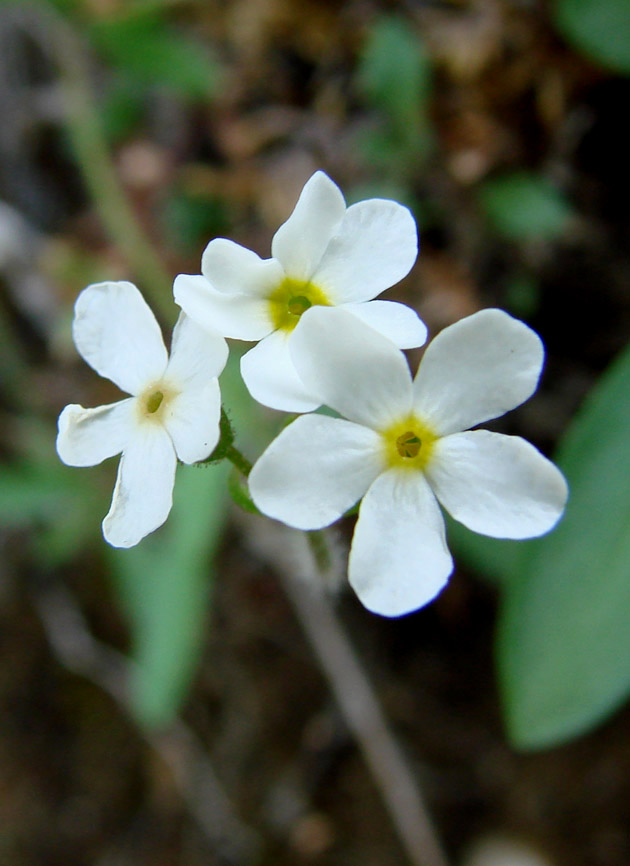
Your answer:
<point x="238" y="460"/>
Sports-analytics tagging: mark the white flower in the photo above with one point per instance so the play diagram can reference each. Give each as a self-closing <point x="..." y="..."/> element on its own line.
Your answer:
<point x="173" y="413"/>
<point x="324" y="255"/>
<point x="402" y="450"/>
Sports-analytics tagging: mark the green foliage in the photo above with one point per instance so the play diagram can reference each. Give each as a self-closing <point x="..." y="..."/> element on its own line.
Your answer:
<point x="598" y="28"/>
<point x="564" y="641"/>
<point x="165" y="582"/>
<point x="122" y="107"/>
<point x="192" y="219"/>
<point x="523" y="205"/>
<point x="240" y="494"/>
<point x="164" y="585"/>
<point x="494" y="559"/>
<point x="394" y="75"/>
<point x="522" y="295"/>
<point x="28" y="495"/>
<point x="394" y="71"/>
<point x="67" y="7"/>
<point x="147" y="48"/>
<point x="54" y="502"/>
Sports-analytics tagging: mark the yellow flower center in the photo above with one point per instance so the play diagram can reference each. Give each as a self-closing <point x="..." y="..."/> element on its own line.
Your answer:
<point x="153" y="402"/>
<point x="408" y="444"/>
<point x="290" y="299"/>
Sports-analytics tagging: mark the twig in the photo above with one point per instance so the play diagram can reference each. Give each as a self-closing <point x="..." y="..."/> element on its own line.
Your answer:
<point x="288" y="552"/>
<point x="58" y="39"/>
<point x="232" y="842"/>
<point x="18" y="252"/>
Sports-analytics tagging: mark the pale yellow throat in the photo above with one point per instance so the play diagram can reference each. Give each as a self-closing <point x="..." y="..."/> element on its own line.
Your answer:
<point x="290" y="299"/>
<point x="408" y="444"/>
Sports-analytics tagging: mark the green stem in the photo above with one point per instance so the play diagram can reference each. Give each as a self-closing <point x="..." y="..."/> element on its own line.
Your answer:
<point x="238" y="460"/>
<point x="320" y="549"/>
<point x="99" y="173"/>
<point x="239" y="493"/>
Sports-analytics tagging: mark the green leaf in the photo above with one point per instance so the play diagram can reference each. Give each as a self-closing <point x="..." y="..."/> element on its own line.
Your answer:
<point x="598" y="28"/>
<point x="67" y="7"/>
<point x="394" y="73"/>
<point x="493" y="559"/>
<point x="522" y="295"/>
<point x="563" y="638"/>
<point x="55" y="500"/>
<point x="164" y="585"/>
<point x="122" y="107"/>
<point x="524" y="205"/>
<point x="146" y="48"/>
<point x="30" y="494"/>
<point x="191" y="219"/>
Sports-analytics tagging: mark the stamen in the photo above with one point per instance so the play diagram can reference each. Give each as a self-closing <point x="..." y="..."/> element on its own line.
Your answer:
<point x="298" y="304"/>
<point x="154" y="401"/>
<point x="408" y="444"/>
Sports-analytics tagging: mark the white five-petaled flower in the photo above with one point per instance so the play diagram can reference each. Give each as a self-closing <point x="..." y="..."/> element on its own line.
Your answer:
<point x="324" y="255"/>
<point x="174" y="411"/>
<point x="402" y="449"/>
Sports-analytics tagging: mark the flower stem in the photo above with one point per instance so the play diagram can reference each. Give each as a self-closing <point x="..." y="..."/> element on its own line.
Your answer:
<point x="95" y="163"/>
<point x="238" y="460"/>
<point x="239" y="494"/>
<point x="320" y="549"/>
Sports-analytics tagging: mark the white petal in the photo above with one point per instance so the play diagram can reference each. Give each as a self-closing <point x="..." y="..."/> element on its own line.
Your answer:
<point x="374" y="247"/>
<point x="89" y="436"/>
<point x="234" y="269"/>
<point x="271" y="378"/>
<point x="143" y="494"/>
<point x="118" y="335"/>
<point x="239" y="316"/>
<point x="197" y="355"/>
<point x="398" y="322"/>
<point x="300" y="242"/>
<point x="315" y="470"/>
<point x="352" y="367"/>
<point x="399" y="560"/>
<point x="497" y="485"/>
<point x="477" y="369"/>
<point x="192" y="420"/>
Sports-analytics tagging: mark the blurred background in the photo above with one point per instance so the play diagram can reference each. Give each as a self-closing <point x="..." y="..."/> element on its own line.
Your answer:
<point x="161" y="705"/>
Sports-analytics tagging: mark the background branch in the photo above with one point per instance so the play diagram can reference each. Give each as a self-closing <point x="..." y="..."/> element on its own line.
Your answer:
<point x="232" y="842"/>
<point x="57" y="38"/>
<point x="291" y="556"/>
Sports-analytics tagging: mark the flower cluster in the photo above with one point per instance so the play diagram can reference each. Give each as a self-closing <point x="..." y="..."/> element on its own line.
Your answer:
<point x="401" y="445"/>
